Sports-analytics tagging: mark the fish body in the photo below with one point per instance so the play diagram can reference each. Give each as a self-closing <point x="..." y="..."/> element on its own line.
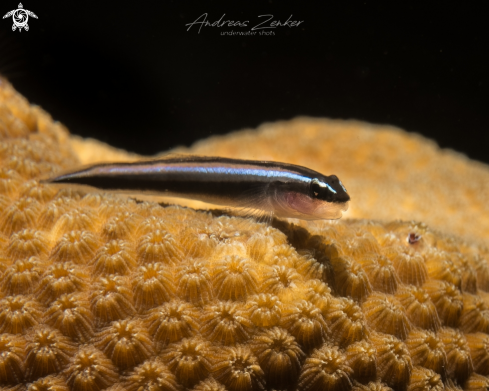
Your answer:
<point x="282" y="189"/>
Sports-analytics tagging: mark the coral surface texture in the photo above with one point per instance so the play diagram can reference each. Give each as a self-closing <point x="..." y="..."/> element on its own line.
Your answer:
<point x="103" y="292"/>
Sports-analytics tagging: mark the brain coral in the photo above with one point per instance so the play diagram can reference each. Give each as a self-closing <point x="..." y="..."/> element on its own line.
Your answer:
<point x="99" y="292"/>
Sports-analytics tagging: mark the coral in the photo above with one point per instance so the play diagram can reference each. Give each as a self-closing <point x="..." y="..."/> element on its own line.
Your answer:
<point x="47" y="352"/>
<point x="394" y="364"/>
<point x="48" y="383"/>
<point x="101" y="292"/>
<point x="381" y="272"/>
<point x="410" y="267"/>
<point x="361" y="357"/>
<point x="23" y="276"/>
<point x="19" y="313"/>
<point x="158" y="246"/>
<point x="224" y="323"/>
<point x="111" y="299"/>
<point x="238" y="369"/>
<point x="423" y="379"/>
<point x="172" y="321"/>
<point x="419" y="308"/>
<point x="350" y="279"/>
<point x="306" y="323"/>
<point x="12" y="356"/>
<point x="189" y="360"/>
<point x="479" y="350"/>
<point x="27" y="243"/>
<point x="116" y="257"/>
<point x="90" y="370"/>
<point x="151" y="375"/>
<point x="152" y="286"/>
<point x="447" y="299"/>
<point x="346" y="320"/>
<point x="264" y="310"/>
<point x="458" y="354"/>
<point x="279" y="355"/>
<point x="127" y="343"/>
<point x="72" y="316"/>
<point x="427" y="351"/>
<point x="326" y="369"/>
<point x="194" y="283"/>
<point x="384" y="313"/>
<point x="75" y="246"/>
<point x="234" y="278"/>
<point x="59" y="279"/>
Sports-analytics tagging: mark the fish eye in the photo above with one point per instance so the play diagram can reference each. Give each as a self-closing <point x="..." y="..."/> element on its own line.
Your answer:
<point x="315" y="187"/>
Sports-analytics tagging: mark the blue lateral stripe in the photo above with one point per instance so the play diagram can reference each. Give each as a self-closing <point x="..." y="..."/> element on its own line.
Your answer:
<point x="270" y="173"/>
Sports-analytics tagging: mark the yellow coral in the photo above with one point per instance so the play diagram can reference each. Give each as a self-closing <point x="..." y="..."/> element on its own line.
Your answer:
<point x="102" y="292"/>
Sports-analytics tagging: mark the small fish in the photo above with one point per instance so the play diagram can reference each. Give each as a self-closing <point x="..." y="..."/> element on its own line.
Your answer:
<point x="263" y="187"/>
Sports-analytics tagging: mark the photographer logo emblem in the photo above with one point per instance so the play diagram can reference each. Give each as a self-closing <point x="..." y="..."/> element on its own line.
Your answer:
<point x="20" y="16"/>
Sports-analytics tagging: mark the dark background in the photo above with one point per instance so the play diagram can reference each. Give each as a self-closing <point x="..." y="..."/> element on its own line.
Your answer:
<point x="130" y="74"/>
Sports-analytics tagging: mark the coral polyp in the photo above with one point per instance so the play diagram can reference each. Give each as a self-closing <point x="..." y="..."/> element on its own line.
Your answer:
<point x="105" y="292"/>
